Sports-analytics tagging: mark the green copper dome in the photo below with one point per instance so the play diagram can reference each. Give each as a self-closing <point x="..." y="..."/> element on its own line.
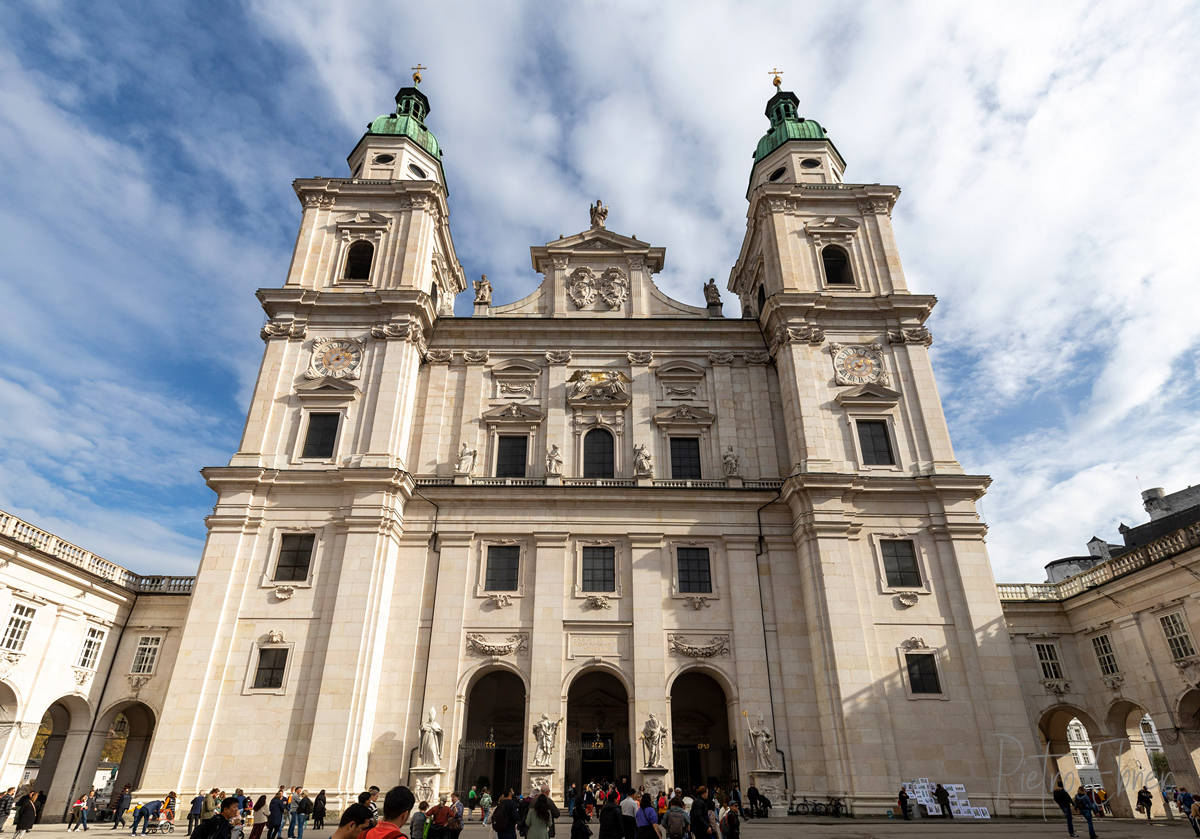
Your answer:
<point x="409" y="121"/>
<point x="786" y="125"/>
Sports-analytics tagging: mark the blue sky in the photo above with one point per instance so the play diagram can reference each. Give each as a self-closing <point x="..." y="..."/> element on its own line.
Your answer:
<point x="1046" y="152"/>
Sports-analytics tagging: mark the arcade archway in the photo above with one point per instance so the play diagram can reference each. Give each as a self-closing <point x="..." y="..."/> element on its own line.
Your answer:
<point x="598" y="744"/>
<point x="127" y="730"/>
<point x="1065" y="730"/>
<point x="494" y="735"/>
<point x="703" y="752"/>
<point x="57" y="748"/>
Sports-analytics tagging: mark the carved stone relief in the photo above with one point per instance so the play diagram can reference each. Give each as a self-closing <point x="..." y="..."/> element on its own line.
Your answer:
<point x="558" y="356"/>
<point x="475" y="356"/>
<point x="640" y="358"/>
<point x="915" y="335"/>
<point x="439" y="356"/>
<point x="482" y="645"/>
<point x="718" y="645"/>
<point x="283" y="328"/>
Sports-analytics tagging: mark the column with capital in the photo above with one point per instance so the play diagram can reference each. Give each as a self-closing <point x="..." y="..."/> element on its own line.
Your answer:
<point x="547" y="655"/>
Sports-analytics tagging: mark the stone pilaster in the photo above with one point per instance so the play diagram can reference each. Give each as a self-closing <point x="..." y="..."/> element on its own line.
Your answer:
<point x="649" y="646"/>
<point x="547" y="653"/>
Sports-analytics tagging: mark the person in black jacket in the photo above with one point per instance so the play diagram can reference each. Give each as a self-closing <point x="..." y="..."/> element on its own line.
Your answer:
<point x="611" y="826"/>
<point x="220" y="825"/>
<point x="26" y="814"/>
<point x="275" y="813"/>
<point x="120" y="806"/>
<point x="699" y="815"/>
<point x="731" y="827"/>
<point x="1063" y="799"/>
<point x="303" y="811"/>
<point x="318" y="813"/>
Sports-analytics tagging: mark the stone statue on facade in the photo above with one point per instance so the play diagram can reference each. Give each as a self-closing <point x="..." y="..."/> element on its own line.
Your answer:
<point x="729" y="461"/>
<point x="466" y="461"/>
<point x="598" y="213"/>
<point x="544" y="732"/>
<point x="762" y="744"/>
<point x="483" y="291"/>
<point x="430" y="748"/>
<point x="654" y="737"/>
<point x="554" y="460"/>
<point x="712" y="296"/>
<point x="643" y="464"/>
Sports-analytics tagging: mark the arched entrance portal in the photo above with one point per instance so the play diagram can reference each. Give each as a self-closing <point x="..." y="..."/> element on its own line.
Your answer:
<point x="1069" y="736"/>
<point x="127" y="730"/>
<point x="703" y="750"/>
<point x="56" y="752"/>
<point x="494" y="736"/>
<point x="597" y="729"/>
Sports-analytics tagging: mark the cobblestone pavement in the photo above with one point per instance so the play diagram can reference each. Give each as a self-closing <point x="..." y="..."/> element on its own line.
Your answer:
<point x="810" y="827"/>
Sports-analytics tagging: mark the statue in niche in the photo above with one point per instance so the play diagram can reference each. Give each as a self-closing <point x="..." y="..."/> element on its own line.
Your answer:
<point x="730" y="462"/>
<point x="430" y="748"/>
<point x="598" y="213"/>
<point x="483" y="291"/>
<point x="466" y="461"/>
<point x="712" y="296"/>
<point x="762" y="744"/>
<point x="643" y="464"/>
<point x="654" y="736"/>
<point x="554" y="460"/>
<point x="544" y="732"/>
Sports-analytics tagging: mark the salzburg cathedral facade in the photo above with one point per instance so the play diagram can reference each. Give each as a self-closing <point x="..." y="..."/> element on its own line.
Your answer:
<point x="595" y="532"/>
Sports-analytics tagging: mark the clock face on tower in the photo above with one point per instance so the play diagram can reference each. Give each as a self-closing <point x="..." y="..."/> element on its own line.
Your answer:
<point x="858" y="364"/>
<point x="335" y="358"/>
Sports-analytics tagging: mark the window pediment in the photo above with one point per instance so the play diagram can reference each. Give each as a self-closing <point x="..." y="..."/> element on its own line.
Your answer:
<point x="513" y="414"/>
<point x="868" y="396"/>
<point x="831" y="229"/>
<point x="683" y="415"/>
<point x="327" y="389"/>
<point x="364" y="225"/>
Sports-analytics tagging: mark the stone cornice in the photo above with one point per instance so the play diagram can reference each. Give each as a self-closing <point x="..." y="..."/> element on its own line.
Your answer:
<point x="314" y="307"/>
<point x="786" y="308"/>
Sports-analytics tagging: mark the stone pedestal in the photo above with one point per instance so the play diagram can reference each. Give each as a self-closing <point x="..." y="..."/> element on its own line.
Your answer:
<point x="426" y="783"/>
<point x="644" y="480"/>
<point x="538" y="776"/>
<point x="714" y="310"/>
<point x="481" y="310"/>
<point x="461" y="479"/>
<point x="770" y="784"/>
<point x="654" y="779"/>
<point x="734" y="481"/>
<point x="554" y="480"/>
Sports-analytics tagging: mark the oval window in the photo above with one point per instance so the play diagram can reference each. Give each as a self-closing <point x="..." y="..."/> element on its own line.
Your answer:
<point x="417" y="170"/>
<point x="384" y="158"/>
<point x="777" y="174"/>
<point x="810" y="163"/>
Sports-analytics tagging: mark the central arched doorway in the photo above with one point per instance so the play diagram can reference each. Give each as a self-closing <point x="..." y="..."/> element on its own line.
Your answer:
<point x="703" y="750"/>
<point x="597" y="729"/>
<point x="494" y="736"/>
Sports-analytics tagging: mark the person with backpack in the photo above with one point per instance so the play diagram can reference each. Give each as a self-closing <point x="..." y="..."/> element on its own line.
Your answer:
<point x="731" y="824"/>
<point x="485" y="805"/>
<point x="676" y="821"/>
<point x="397" y="805"/>
<point x="504" y="818"/>
<point x="418" y="821"/>
<point x="1086" y="807"/>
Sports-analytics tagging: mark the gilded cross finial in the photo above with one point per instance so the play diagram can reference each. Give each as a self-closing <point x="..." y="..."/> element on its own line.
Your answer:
<point x="417" y="73"/>
<point x="778" y="82"/>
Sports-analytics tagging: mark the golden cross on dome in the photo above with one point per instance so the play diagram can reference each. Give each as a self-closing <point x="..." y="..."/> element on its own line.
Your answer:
<point x="778" y="82"/>
<point x="417" y="73"/>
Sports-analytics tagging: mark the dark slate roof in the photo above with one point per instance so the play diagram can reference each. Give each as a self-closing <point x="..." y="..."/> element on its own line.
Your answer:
<point x="1143" y="534"/>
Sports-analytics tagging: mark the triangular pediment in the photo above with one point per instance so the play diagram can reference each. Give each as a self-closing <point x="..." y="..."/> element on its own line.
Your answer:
<point x="683" y="415"/>
<point x="326" y="387"/>
<point x="514" y="412"/>
<point x="868" y="394"/>
<point x="594" y="242"/>
<point x="363" y="219"/>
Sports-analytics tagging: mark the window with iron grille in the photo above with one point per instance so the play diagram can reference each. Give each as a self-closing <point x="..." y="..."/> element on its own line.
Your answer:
<point x="1104" y="655"/>
<point x="1178" y="637"/>
<point x="922" y="673"/>
<point x="598" y="454"/>
<point x="875" y="443"/>
<point x="695" y="573"/>
<point x="295" y="555"/>
<point x="18" y="627"/>
<point x="900" y="562"/>
<point x="321" y="435"/>
<point x="91" y="648"/>
<point x="511" y="451"/>
<point x="503" y="562"/>
<point x="599" y="568"/>
<point x="685" y="458"/>
<point x="145" y="657"/>
<point x="272" y="662"/>
<point x="1047" y="655"/>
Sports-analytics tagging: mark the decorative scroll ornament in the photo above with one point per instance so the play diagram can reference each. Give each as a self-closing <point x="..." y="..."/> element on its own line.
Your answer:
<point x="718" y="645"/>
<point x="641" y="358"/>
<point x="318" y="199"/>
<point x="783" y="335"/>
<point x="284" y="592"/>
<point x="479" y="643"/>
<point x="614" y="288"/>
<point x="283" y="328"/>
<point x="335" y="358"/>
<point x="516" y="388"/>
<point x="439" y="356"/>
<point x="697" y="602"/>
<point x="916" y="642"/>
<point x="875" y="206"/>
<point x="82" y="676"/>
<point x="915" y="335"/>
<point x="1056" y="687"/>
<point x="1113" y="682"/>
<point x="680" y="390"/>
<point x="475" y="356"/>
<point x="558" y="356"/>
<point x="275" y="637"/>
<point x="8" y="662"/>
<point x="581" y="287"/>
<point x="907" y="599"/>
<point x="500" y="600"/>
<point x="758" y="357"/>
<point x="598" y="601"/>
<point x="137" y="682"/>
<point x="720" y="358"/>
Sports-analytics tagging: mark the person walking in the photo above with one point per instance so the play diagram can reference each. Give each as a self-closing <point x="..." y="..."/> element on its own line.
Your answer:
<point x="538" y="819"/>
<point x="629" y="808"/>
<point x="731" y="825"/>
<point x="26" y="814"/>
<point x="319" y="808"/>
<point x="699" y="813"/>
<point x="676" y="822"/>
<point x="120" y="804"/>
<point x="256" y="819"/>
<point x="645" y="819"/>
<point x="1087" y="808"/>
<point x="1184" y="801"/>
<point x="610" y="824"/>
<point x="275" y="813"/>
<point x="1063" y="799"/>
<point x="902" y="802"/>
<point x="416" y="824"/>
<point x="76" y="808"/>
<point x="579" y="821"/>
<point x="1145" y="802"/>
<point x="1194" y="815"/>
<point x="504" y="817"/>
<point x="7" y="802"/>
<point x="472" y="800"/>
<point x="485" y="805"/>
<point x="942" y="796"/>
<point x="194" y="812"/>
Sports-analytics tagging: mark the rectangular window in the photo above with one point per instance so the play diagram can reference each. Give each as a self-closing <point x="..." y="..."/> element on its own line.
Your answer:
<point x="1047" y="655"/>
<point x="145" y="657"/>
<point x="1104" y="655"/>
<point x="295" y="555"/>
<point x="900" y="562"/>
<point x="503" y="563"/>
<point x="599" y="569"/>
<point x="922" y="673"/>
<point x="271" y="665"/>
<point x="511" y="453"/>
<point x="18" y="627"/>
<point x="322" y="434"/>
<point x="685" y="458"/>
<point x="875" y="442"/>
<point x="695" y="574"/>
<point x="91" y="648"/>
<point x="1178" y="637"/>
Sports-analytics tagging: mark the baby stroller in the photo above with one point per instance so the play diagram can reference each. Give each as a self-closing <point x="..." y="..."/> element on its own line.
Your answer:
<point x="160" y="824"/>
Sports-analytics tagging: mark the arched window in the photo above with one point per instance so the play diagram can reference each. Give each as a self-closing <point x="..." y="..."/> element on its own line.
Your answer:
<point x="837" y="266"/>
<point x="762" y="300"/>
<point x="358" y="261"/>
<point x="598" y="454"/>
